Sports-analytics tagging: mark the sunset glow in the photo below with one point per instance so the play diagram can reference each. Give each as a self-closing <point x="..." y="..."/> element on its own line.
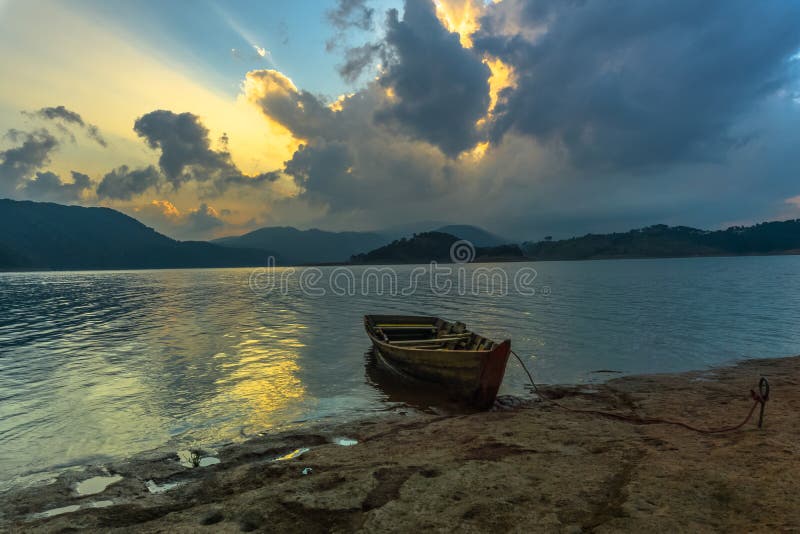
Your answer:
<point x="290" y="132"/>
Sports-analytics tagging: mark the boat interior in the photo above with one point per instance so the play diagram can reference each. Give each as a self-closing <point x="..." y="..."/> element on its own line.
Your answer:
<point x="429" y="333"/>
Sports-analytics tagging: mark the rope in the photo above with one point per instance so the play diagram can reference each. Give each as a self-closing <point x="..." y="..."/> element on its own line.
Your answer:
<point x="759" y="398"/>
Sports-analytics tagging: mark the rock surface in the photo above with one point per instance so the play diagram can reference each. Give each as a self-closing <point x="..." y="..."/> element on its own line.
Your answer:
<point x="530" y="466"/>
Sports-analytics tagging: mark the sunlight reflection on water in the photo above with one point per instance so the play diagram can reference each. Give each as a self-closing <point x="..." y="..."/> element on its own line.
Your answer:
<point x="100" y="365"/>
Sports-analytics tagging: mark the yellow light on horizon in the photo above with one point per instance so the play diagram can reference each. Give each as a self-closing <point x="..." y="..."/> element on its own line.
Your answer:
<point x="114" y="84"/>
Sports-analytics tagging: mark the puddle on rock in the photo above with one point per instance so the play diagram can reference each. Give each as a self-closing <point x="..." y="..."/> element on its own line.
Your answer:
<point x="208" y="460"/>
<point x="94" y="485"/>
<point x="72" y="508"/>
<point x="152" y="487"/>
<point x="345" y="442"/>
<point x="294" y="454"/>
<point x="58" y="511"/>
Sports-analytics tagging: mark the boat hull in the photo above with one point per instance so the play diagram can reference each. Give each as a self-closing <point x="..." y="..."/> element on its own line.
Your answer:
<point x="472" y="376"/>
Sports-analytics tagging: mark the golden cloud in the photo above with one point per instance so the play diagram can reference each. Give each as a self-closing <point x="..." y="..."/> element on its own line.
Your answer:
<point x="461" y="17"/>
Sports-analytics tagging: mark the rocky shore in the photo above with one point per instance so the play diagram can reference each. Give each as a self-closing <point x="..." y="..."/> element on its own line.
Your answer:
<point x="525" y="466"/>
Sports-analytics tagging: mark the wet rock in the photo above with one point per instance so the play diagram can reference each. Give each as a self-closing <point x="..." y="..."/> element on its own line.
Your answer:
<point x="507" y="402"/>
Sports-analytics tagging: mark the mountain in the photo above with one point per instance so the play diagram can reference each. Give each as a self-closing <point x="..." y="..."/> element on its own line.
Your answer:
<point x="295" y="246"/>
<point x="41" y="235"/>
<point x="474" y="234"/>
<point x="779" y="237"/>
<point x="434" y="246"/>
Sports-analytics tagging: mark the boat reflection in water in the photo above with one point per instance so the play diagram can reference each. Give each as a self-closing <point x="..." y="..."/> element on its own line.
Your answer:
<point x="400" y="388"/>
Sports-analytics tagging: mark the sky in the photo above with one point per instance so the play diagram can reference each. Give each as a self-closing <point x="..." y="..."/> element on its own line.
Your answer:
<point x="527" y="117"/>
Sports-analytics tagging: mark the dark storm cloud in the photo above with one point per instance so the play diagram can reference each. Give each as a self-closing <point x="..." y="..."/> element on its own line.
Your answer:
<point x="48" y="186"/>
<point x="621" y="85"/>
<point x="347" y="162"/>
<point x="442" y="88"/>
<point x="20" y="162"/>
<point x="617" y="115"/>
<point x="186" y="152"/>
<point x="322" y="169"/>
<point x="124" y="183"/>
<point x="60" y="113"/>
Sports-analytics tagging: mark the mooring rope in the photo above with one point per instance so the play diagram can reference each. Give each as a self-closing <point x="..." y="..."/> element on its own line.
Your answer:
<point x="759" y="398"/>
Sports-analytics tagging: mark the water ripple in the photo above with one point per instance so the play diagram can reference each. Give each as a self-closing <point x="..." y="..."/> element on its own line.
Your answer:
<point x="119" y="362"/>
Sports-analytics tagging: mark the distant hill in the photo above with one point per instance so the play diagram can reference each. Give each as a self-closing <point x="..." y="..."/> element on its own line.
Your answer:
<point x="432" y="246"/>
<point x="659" y="241"/>
<point x="40" y="235"/>
<point x="474" y="234"/>
<point x="408" y="229"/>
<point x="295" y="246"/>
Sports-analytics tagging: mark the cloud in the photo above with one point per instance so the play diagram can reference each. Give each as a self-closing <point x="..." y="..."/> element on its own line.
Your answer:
<point x="570" y="116"/>
<point x="533" y="118"/>
<point x="48" y="186"/>
<point x="621" y="87"/>
<point x="321" y="168"/>
<point x="348" y="14"/>
<point x="20" y="162"/>
<point x="357" y="59"/>
<point x="60" y="113"/>
<point x="183" y="142"/>
<point x="351" y="14"/>
<point x="396" y="140"/>
<point x="202" y="221"/>
<point x="441" y="88"/>
<point x="124" y="183"/>
<point x="301" y="112"/>
<point x="186" y="153"/>
<point x="349" y="164"/>
<point x="198" y="223"/>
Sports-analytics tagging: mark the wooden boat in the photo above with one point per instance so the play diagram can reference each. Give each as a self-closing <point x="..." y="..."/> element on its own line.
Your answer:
<point x="469" y="366"/>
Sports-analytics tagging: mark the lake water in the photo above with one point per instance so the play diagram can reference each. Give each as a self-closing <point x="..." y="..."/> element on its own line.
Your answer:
<point x="100" y="365"/>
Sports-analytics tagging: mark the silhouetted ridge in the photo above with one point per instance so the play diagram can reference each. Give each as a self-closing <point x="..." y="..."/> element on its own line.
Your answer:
<point x="432" y="246"/>
<point x="658" y="241"/>
<point x="41" y="235"/>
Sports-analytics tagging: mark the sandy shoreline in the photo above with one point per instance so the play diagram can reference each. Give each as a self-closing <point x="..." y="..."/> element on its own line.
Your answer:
<point x="529" y="467"/>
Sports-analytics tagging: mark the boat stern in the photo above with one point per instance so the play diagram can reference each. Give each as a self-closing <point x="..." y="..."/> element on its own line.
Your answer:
<point x="494" y="368"/>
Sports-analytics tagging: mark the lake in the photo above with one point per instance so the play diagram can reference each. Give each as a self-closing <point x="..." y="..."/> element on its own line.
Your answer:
<point x="101" y="365"/>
